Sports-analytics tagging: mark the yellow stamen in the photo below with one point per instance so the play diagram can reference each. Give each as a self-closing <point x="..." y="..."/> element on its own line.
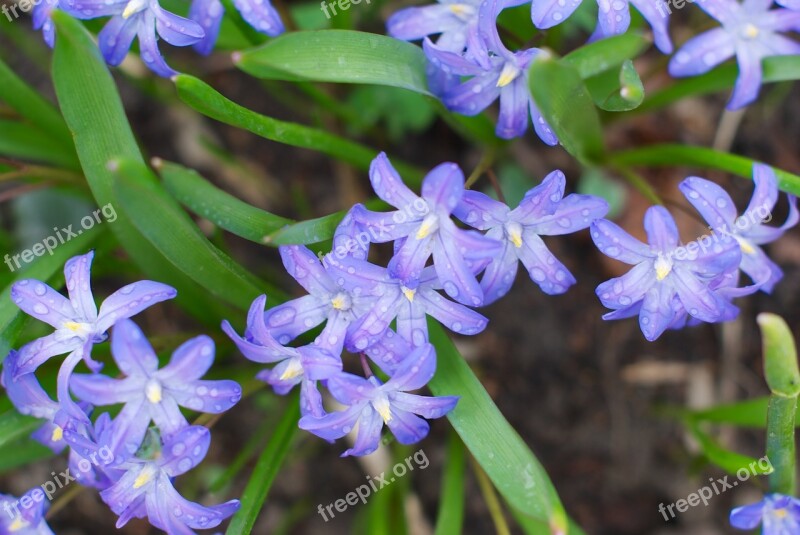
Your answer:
<point x="144" y="478"/>
<point x="17" y="525"/>
<point x="57" y="435"/>
<point x="133" y="7"/>
<point x="409" y="293"/>
<point x="508" y="74"/>
<point x="663" y="268"/>
<point x="745" y="246"/>
<point x="750" y="31"/>
<point x="294" y="369"/>
<point x="382" y="406"/>
<point x="514" y="231"/>
<point x="153" y="391"/>
<point x="780" y="513"/>
<point x="429" y="224"/>
<point x="341" y="302"/>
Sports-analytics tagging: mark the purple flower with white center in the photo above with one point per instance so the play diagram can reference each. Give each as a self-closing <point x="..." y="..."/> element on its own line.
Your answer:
<point x="260" y="14"/>
<point x="150" y="394"/>
<point x="77" y="322"/>
<point x="717" y="208"/>
<point x="19" y="520"/>
<point x="544" y="211"/>
<point x="146" y="489"/>
<point x="425" y="228"/>
<point x="750" y="32"/>
<point x="409" y="306"/>
<point x="667" y="279"/>
<point x="495" y="72"/>
<point x="371" y="404"/>
<point x="779" y="514"/>
<point x="335" y="302"/>
<point x="306" y="364"/>
<point x="143" y="18"/>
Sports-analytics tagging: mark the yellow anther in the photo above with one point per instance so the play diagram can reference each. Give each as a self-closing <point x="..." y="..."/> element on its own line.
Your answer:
<point x="509" y="73"/>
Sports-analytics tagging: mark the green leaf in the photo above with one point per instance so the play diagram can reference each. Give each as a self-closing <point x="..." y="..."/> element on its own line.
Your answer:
<point x="26" y="142"/>
<point x="565" y="103"/>
<point x="210" y="103"/>
<point x="30" y="105"/>
<point x="780" y="356"/>
<point x="606" y="54"/>
<point x="94" y="113"/>
<point x="173" y="233"/>
<point x="451" y="503"/>
<point x="219" y="207"/>
<point x="341" y="56"/>
<point x="702" y="157"/>
<point x="22" y="452"/>
<point x="273" y="456"/>
<point x="496" y="446"/>
<point x="15" y="426"/>
<point x="728" y="460"/>
<point x="617" y="91"/>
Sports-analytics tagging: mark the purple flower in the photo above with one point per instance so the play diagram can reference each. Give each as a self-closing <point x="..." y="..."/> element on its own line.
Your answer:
<point x="17" y="519"/>
<point x="779" y="514"/>
<point x="77" y="322"/>
<point x="494" y="72"/>
<point x="146" y="489"/>
<point x="544" y="211"/>
<point x="371" y="404"/>
<point x="717" y="208"/>
<point x="41" y="20"/>
<point x="91" y="460"/>
<point x="750" y="32"/>
<point x="143" y="18"/>
<point x="409" y="306"/>
<point x="667" y="279"/>
<point x="455" y="21"/>
<point x="260" y="14"/>
<point x="303" y="365"/>
<point x="336" y="302"/>
<point x="422" y="227"/>
<point x="150" y="394"/>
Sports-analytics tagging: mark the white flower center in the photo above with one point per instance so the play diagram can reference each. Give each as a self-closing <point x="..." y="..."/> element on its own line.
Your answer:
<point x="342" y="301"/>
<point x="663" y="267"/>
<point x="79" y="329"/>
<point x="381" y="405"/>
<point x="464" y="12"/>
<point x="294" y="369"/>
<point x="153" y="391"/>
<point x="429" y="225"/>
<point x="146" y="475"/>
<point x="133" y="7"/>
<point x="409" y="293"/>
<point x="750" y="31"/>
<point x="514" y="233"/>
<point x="509" y="73"/>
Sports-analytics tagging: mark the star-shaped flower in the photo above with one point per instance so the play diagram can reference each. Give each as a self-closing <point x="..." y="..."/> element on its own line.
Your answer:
<point x="150" y="394"/>
<point x="779" y="514"/>
<point x="19" y="520"/>
<point x="371" y="404"/>
<point x="667" y="279"/>
<point x="544" y="211"/>
<point x="146" y="489"/>
<point x="750" y="31"/>
<point x="719" y="211"/>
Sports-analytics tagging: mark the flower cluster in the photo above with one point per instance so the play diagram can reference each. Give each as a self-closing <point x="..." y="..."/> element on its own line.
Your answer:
<point x="672" y="284"/>
<point x="382" y="312"/>
<point x="148" y="21"/>
<point x="779" y="514"/>
<point x="469" y="67"/>
<point x="140" y="460"/>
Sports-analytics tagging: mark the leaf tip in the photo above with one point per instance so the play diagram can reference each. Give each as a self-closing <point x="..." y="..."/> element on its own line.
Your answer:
<point x="157" y="163"/>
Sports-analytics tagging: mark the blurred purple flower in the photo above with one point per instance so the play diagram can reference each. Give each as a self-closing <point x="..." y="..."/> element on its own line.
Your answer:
<point x="454" y="21"/>
<point x="779" y="514"/>
<point x="260" y="14"/>
<point x="422" y="227"/>
<point x="717" y="208"/>
<point x="146" y="489"/>
<point x="544" y="211"/>
<point x="494" y="72"/>
<point x="17" y="519"/>
<point x="371" y="404"/>
<point x="150" y="394"/>
<point x="667" y="279"/>
<point x="750" y="32"/>
<point x="41" y="20"/>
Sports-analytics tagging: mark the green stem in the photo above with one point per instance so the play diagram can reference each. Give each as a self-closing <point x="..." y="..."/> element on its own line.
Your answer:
<point x="780" y="444"/>
<point x="492" y="502"/>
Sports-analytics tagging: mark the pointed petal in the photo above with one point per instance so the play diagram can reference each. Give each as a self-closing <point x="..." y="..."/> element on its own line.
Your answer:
<point x="25" y="392"/>
<point x="130" y="300"/>
<point x="747" y="517"/>
<point x="415" y="372"/>
<point x="427" y="407"/>
<point x="658" y="311"/>
<point x="543" y="268"/>
<point x="548" y="13"/>
<point x="456" y="277"/>
<point x="388" y="185"/>
<point x="443" y="187"/>
<point x="702" y="53"/>
<point x="573" y="213"/>
<point x="515" y="101"/>
<point x="148" y="46"/>
<point x="77" y="273"/>
<point x="213" y="397"/>
<point x="452" y="63"/>
<point x="171" y="512"/>
<point x="695" y="296"/>
<point x="208" y="14"/>
<point x="406" y="427"/>
<point x="765" y="193"/>
<point x="414" y="23"/>
<point x="614" y="242"/>
<point x="389" y="351"/>
<point x="304" y="267"/>
<point x="39" y="300"/>
<point x="749" y="81"/>
<point x="713" y="202"/>
<point x="541" y="200"/>
<point x="613" y="17"/>
<point x="473" y="96"/>
<point x="189" y="362"/>
<point x="39" y="351"/>
<point x="454" y="316"/>
<point x="662" y="233"/>
<point x="409" y="260"/>
<point x="412" y="325"/>
<point x="131" y="351"/>
<point x="368" y="437"/>
<point x="261" y="15"/>
<point x="541" y="127"/>
<point x="116" y="38"/>
<point x="103" y="390"/>
<point x="480" y="211"/>
<point x="176" y="30"/>
<point x="381" y="227"/>
<point x="291" y="319"/>
<point x="624" y="291"/>
<point x="318" y="363"/>
<point x="758" y="266"/>
<point x="371" y="326"/>
<point x="500" y="274"/>
<point x="333" y="425"/>
<point x="130" y="427"/>
<point x="658" y="21"/>
<point x="185" y="450"/>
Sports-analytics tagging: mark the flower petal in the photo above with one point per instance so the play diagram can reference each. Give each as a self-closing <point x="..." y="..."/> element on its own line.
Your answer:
<point x="425" y="406"/>
<point x="573" y="213"/>
<point x="39" y="300"/>
<point x="190" y="361"/>
<point x="185" y="450"/>
<point x="304" y="267"/>
<point x="116" y="38"/>
<point x="261" y="15"/>
<point x="414" y="23"/>
<point x="548" y="13"/>
<point x="480" y="211"/>
<point x="130" y="300"/>
<point x="749" y="81"/>
<point x="208" y="14"/>
<point x="713" y="202"/>
<point x="748" y="516"/>
<point x="406" y="427"/>
<point x="614" y="242"/>
<point x="131" y="351"/>
<point x="368" y="437"/>
<point x="500" y="273"/>
<point x="625" y="291"/>
<point x="103" y="390"/>
<point x="543" y="268"/>
<point x="333" y="425"/>
<point x="213" y="397"/>
<point x="703" y="52"/>
<point x="416" y="370"/>
<point x="291" y="319"/>
<point x="662" y="233"/>
<point x="515" y="101"/>
<point x="176" y="30"/>
<point x="77" y="273"/>
<point x="39" y="351"/>
<point x="388" y="185"/>
<point x="148" y="47"/>
<point x="454" y="316"/>
<point x="456" y="277"/>
<point x="658" y="311"/>
<point x="443" y="187"/>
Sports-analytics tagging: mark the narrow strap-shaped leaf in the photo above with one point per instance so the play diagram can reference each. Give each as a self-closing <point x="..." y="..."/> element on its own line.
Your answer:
<point x="33" y="107"/>
<point x="728" y="460"/>
<point x="93" y="111"/>
<point x="210" y="103"/>
<point x="342" y="56"/>
<point x="451" y="502"/>
<point x="172" y="232"/>
<point x="26" y="142"/>
<point x="269" y="463"/>
<point x="562" y="98"/>
<point x="686" y="155"/>
<point x="221" y="208"/>
<point x="496" y="446"/>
